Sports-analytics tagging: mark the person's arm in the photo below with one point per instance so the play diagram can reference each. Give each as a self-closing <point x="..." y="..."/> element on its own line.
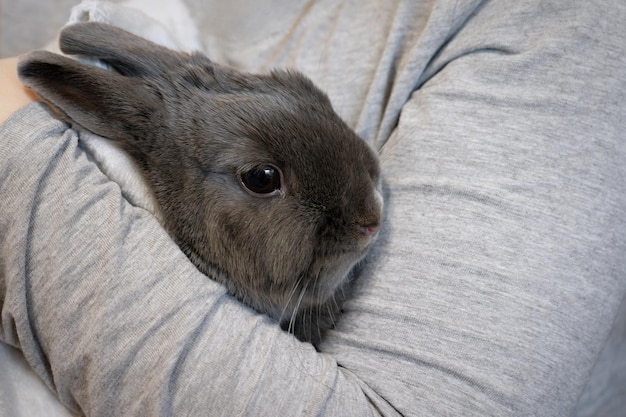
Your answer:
<point x="13" y="95"/>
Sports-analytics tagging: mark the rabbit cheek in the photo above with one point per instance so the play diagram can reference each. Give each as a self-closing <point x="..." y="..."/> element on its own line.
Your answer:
<point x="263" y="250"/>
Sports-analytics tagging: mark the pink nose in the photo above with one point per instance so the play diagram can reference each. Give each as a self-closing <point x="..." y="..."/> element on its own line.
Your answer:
<point x="370" y="229"/>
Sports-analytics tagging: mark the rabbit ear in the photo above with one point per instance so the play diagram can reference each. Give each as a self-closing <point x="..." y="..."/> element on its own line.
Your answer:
<point x="128" y="54"/>
<point x="101" y="101"/>
<point x="134" y="56"/>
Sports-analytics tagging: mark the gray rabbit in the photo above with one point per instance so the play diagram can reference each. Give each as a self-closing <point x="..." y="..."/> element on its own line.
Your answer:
<point x="258" y="180"/>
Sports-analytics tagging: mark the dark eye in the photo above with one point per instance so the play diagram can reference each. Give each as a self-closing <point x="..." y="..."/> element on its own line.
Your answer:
<point x="262" y="181"/>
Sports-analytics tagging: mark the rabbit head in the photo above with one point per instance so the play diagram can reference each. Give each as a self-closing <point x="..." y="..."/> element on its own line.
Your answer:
<point x="259" y="181"/>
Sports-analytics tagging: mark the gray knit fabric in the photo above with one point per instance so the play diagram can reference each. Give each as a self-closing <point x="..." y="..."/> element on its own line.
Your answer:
<point x="495" y="283"/>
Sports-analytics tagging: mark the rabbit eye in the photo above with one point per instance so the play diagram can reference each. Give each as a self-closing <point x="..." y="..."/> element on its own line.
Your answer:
<point x="262" y="181"/>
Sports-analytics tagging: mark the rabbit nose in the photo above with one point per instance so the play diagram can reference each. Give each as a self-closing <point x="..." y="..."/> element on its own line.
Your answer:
<point x="374" y="208"/>
<point x="370" y="229"/>
<point x="369" y="225"/>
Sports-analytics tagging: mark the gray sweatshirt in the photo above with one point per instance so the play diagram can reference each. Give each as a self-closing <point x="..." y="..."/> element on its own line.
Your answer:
<point x="491" y="291"/>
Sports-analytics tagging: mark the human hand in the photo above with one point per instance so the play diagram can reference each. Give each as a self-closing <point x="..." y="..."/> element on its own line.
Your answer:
<point x="13" y="95"/>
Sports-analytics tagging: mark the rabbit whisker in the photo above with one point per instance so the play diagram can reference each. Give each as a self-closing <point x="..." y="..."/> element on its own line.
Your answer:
<point x="292" y="293"/>
<point x="292" y="320"/>
<point x="286" y="311"/>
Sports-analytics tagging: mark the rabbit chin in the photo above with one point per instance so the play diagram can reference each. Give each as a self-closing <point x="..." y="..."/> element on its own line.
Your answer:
<point x="328" y="283"/>
<point x="332" y="277"/>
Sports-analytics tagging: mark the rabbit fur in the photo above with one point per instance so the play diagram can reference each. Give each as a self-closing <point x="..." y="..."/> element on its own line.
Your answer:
<point x="257" y="179"/>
